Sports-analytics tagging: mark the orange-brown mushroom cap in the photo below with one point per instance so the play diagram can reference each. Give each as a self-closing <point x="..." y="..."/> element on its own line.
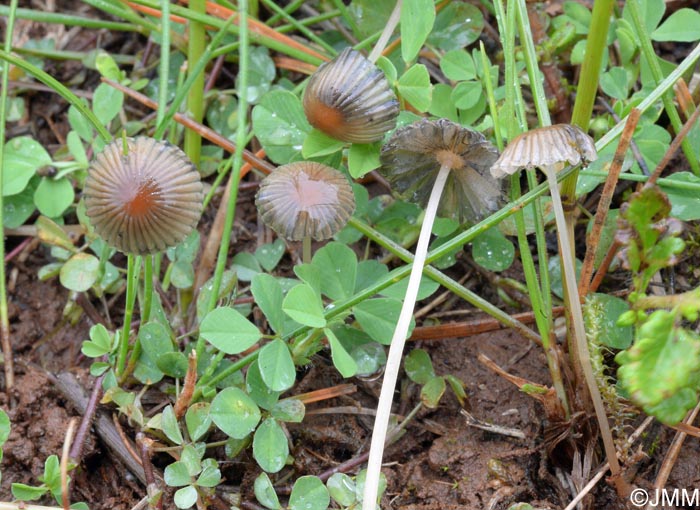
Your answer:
<point x="349" y="98"/>
<point x="146" y="200"/>
<point x="412" y="158"/>
<point x="305" y="199"/>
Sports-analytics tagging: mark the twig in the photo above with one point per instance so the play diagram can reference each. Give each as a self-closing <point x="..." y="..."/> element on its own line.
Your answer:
<point x="605" y="200"/>
<point x="154" y="493"/>
<point x="88" y="414"/>
<point x="472" y="421"/>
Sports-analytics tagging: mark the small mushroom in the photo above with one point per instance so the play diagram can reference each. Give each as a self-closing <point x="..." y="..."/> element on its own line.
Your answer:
<point x="305" y="200"/>
<point x="350" y="99"/>
<point x="550" y="149"/>
<point x="143" y="198"/>
<point x="420" y="160"/>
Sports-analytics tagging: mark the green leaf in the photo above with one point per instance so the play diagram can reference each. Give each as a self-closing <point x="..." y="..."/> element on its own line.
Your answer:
<point x="52" y="197"/>
<point x="458" y="65"/>
<point x="107" y="102"/>
<point x="601" y="312"/>
<point x="663" y="361"/>
<point x="615" y="83"/>
<point x="280" y="125"/>
<point x="260" y="392"/>
<point x="261" y="72"/>
<point x="246" y="266"/>
<point x="345" y="364"/>
<point x="318" y="143"/>
<point x="270" y="447"/>
<point x="185" y="497"/>
<point x="418" y="366"/>
<point x="4" y="427"/>
<point x="457" y="386"/>
<point x="177" y="474"/>
<point x="24" y="492"/>
<point x="681" y="26"/>
<point x="155" y="340"/>
<point x="227" y="330"/>
<point x="234" y="412"/>
<point x="265" y="492"/>
<point x="467" y="94"/>
<point x="170" y="425"/>
<point x="107" y="66"/>
<point x="426" y="288"/>
<point x="80" y="272"/>
<point x="22" y="157"/>
<point x="197" y="420"/>
<point x="270" y="254"/>
<point x="337" y="267"/>
<point x="173" y="364"/>
<point x="269" y="296"/>
<point x="51" y="233"/>
<point x="458" y="25"/>
<point x="342" y="489"/>
<point x="210" y="475"/>
<point x="100" y="342"/>
<point x="432" y="392"/>
<point x="685" y="203"/>
<point x="417" y="18"/>
<point x="304" y="305"/>
<point x="363" y="158"/>
<point x="18" y="208"/>
<point x="414" y="86"/>
<point x="442" y="105"/>
<point x="378" y="318"/>
<point x="80" y="124"/>
<point x="289" y="410"/>
<point x="493" y="251"/>
<point x="369" y="272"/>
<point x="309" y="493"/>
<point x="276" y="366"/>
<point x="76" y="148"/>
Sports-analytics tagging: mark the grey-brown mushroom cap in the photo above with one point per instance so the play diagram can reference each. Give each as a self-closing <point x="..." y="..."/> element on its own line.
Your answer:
<point x="305" y="199"/>
<point x="145" y="201"/>
<point x="409" y="162"/>
<point x="545" y="147"/>
<point x="350" y="99"/>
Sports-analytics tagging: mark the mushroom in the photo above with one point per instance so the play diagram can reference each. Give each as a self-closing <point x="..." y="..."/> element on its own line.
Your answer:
<point x="419" y="160"/>
<point x="350" y="99"/>
<point x="305" y="200"/>
<point x="550" y="149"/>
<point x="143" y="196"/>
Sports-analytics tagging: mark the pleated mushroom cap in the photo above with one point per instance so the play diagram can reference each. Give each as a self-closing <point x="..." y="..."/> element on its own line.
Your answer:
<point x="412" y="157"/>
<point x="544" y="147"/>
<point x="349" y="98"/>
<point x="145" y="201"/>
<point x="305" y="199"/>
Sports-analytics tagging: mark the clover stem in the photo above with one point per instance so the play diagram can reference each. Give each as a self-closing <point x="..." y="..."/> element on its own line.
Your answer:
<point x="393" y="363"/>
<point x="306" y="250"/>
<point x="573" y="303"/>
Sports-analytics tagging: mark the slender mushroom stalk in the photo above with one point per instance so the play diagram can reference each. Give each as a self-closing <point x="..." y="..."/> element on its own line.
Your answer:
<point x="142" y="196"/>
<point x="420" y="161"/>
<point x="305" y="200"/>
<point x="550" y="149"/>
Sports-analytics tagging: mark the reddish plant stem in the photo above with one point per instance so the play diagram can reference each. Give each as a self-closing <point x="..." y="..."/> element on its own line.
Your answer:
<point x="76" y="450"/>
<point x="188" y="389"/>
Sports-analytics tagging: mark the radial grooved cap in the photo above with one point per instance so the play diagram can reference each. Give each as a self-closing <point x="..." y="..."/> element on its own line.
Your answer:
<point x="349" y="98"/>
<point x="305" y="199"/>
<point x="146" y="200"/>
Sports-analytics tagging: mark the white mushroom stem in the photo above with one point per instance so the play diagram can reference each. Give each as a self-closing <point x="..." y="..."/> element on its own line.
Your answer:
<point x="386" y="33"/>
<point x="381" y="422"/>
<point x="574" y="305"/>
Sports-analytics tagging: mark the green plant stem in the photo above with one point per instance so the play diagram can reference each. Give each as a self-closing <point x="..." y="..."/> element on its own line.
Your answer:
<point x="289" y="9"/>
<point x="60" y="89"/>
<point x="195" y="96"/>
<point x="311" y="20"/>
<point x="665" y="181"/>
<point x="450" y="284"/>
<point x="389" y="28"/>
<point x="656" y="73"/>
<point x="227" y="372"/>
<point x="340" y="5"/>
<point x="81" y="56"/>
<point x="196" y="74"/>
<point x="574" y="307"/>
<point x="71" y="20"/>
<point x="132" y="277"/>
<point x="393" y="363"/>
<point x="120" y="11"/>
<point x="164" y="64"/>
<point x="237" y="162"/>
<point x="8" y="355"/>
<point x="690" y="298"/>
<point x="300" y="27"/>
